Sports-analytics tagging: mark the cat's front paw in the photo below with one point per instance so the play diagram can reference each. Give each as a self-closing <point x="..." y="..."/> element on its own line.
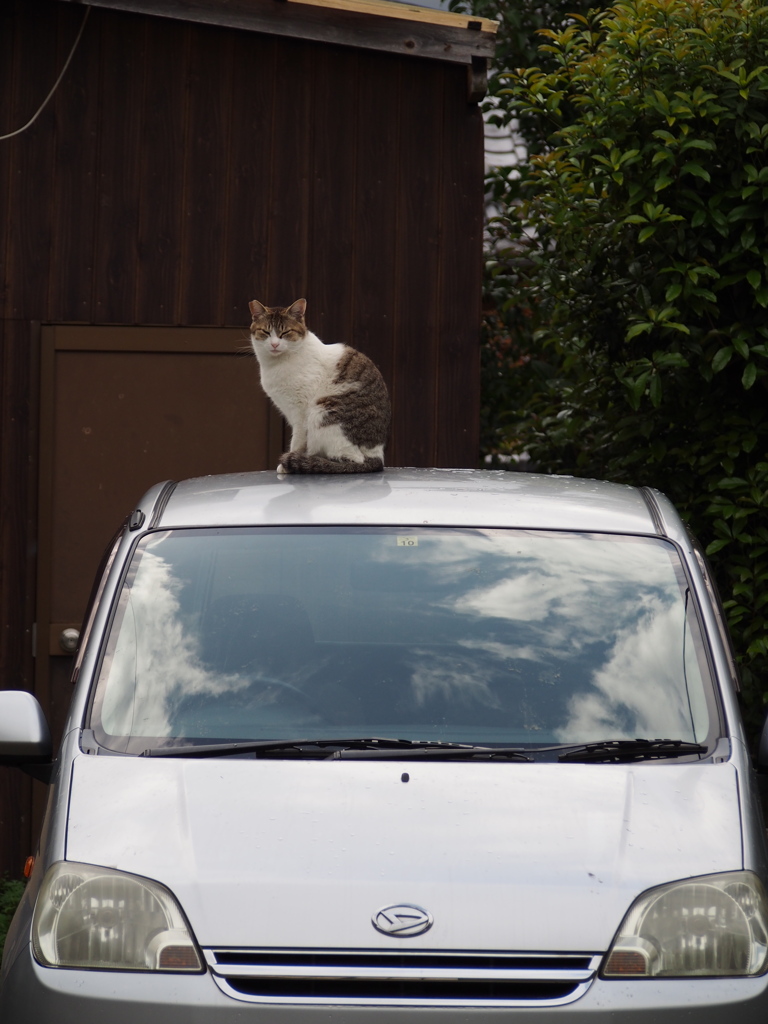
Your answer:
<point x="284" y="465"/>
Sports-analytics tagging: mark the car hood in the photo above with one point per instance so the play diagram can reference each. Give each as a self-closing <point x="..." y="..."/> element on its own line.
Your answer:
<point x="543" y="857"/>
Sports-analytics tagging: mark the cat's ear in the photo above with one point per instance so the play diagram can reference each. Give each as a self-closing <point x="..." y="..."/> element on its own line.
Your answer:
<point x="256" y="308"/>
<point x="298" y="309"/>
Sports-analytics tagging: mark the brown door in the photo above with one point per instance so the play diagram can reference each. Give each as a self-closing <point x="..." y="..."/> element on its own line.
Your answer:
<point x="123" y="408"/>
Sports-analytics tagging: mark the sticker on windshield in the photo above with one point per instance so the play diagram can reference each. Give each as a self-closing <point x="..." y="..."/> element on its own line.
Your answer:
<point x="407" y="542"/>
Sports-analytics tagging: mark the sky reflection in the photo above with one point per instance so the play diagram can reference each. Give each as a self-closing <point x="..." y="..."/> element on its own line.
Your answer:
<point x="518" y="634"/>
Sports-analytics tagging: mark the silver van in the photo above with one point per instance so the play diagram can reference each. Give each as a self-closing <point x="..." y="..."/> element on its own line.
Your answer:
<point x="429" y="745"/>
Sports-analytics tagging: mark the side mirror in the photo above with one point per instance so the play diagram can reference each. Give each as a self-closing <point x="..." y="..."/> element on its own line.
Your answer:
<point x="25" y="739"/>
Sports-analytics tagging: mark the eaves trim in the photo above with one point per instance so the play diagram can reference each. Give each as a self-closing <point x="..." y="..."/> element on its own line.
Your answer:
<point x="370" y="24"/>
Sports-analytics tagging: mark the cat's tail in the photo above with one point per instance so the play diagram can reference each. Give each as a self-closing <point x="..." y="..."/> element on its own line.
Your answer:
<point x="300" y="462"/>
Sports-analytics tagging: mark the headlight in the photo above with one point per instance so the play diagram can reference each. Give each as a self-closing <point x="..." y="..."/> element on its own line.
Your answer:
<point x="97" y="918"/>
<point x="709" y="926"/>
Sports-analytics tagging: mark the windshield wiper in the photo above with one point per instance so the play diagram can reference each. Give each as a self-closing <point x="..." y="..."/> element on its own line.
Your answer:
<point x="265" y="746"/>
<point x="429" y="750"/>
<point x="372" y="743"/>
<point x="631" y="750"/>
<point x="376" y="747"/>
<point x="385" y="748"/>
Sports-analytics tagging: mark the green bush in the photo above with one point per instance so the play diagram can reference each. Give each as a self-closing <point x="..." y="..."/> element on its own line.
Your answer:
<point x="630" y="265"/>
<point x="11" y="892"/>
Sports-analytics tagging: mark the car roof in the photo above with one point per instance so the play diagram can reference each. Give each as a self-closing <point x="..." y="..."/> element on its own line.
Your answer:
<point x="416" y="497"/>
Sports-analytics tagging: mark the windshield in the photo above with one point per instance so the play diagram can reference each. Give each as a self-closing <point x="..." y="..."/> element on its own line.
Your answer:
<point x="475" y="636"/>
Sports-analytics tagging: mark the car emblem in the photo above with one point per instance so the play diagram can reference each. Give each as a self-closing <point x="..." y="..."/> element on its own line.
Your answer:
<point x="402" y="920"/>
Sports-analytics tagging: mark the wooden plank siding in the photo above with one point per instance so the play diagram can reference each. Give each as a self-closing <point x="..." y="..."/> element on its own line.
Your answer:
<point x="184" y="168"/>
<point x="457" y="405"/>
<point x="18" y="515"/>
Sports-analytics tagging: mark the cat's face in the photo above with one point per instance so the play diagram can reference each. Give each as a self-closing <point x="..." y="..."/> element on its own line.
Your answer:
<point x="277" y="329"/>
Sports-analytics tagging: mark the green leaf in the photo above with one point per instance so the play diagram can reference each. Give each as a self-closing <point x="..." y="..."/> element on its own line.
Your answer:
<point x="754" y="277"/>
<point x="694" y="143"/>
<point x="696" y="169"/>
<point x="731" y="483"/>
<point x="636" y="389"/>
<point x="637" y="329"/>
<point x="722" y="358"/>
<point x="749" y="376"/>
<point x="741" y="347"/>
<point x="669" y="359"/>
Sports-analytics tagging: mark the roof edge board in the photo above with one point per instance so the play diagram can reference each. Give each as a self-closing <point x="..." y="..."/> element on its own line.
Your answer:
<point x="367" y="24"/>
<point x="407" y="12"/>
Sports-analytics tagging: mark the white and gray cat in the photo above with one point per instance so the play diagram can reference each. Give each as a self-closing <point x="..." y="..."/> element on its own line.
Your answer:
<point x="333" y="396"/>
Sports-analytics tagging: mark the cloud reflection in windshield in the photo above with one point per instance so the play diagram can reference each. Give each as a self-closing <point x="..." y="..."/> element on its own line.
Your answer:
<point x="572" y="638"/>
<point x="156" y="660"/>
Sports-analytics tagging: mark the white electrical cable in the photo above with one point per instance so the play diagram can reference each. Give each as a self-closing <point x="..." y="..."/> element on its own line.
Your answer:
<point x="56" y="84"/>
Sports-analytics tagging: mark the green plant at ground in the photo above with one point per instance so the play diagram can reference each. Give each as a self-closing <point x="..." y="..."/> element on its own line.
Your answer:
<point x="11" y="892"/>
<point x="631" y="262"/>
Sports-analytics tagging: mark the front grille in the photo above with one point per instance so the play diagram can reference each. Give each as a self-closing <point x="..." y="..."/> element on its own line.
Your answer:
<point x="431" y="978"/>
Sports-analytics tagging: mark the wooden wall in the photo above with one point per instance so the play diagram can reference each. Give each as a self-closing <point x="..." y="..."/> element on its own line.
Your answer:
<point x="182" y="170"/>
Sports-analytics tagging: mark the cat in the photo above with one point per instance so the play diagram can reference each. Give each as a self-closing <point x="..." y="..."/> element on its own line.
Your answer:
<point x="333" y="396"/>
